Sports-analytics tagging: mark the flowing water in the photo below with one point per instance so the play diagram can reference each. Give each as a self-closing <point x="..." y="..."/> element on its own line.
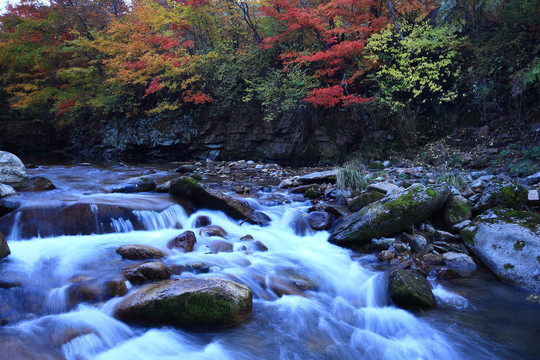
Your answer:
<point x="312" y="299"/>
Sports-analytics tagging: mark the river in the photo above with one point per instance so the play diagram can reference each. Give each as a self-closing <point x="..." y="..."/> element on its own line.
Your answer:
<point x="338" y="307"/>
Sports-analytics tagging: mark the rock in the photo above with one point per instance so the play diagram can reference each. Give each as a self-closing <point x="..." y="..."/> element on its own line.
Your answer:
<point x="462" y="263"/>
<point x="386" y="256"/>
<point x="140" y="252"/>
<point x="213" y="230"/>
<point x="457" y="209"/>
<point x="7" y="206"/>
<point x="94" y="290"/>
<point x="259" y="246"/>
<point x="532" y="179"/>
<point x="115" y="287"/>
<point x="246" y="238"/>
<point x="439" y="235"/>
<point x="508" y="243"/>
<point x="185" y="242"/>
<point x="417" y="242"/>
<point x="136" y="184"/>
<point x="319" y="177"/>
<point x="186" y="168"/>
<point x="401" y="247"/>
<point x="204" y="302"/>
<point x="383" y="242"/>
<point x="218" y="246"/>
<point x="532" y="198"/>
<point x="390" y="215"/>
<point x="364" y="199"/>
<point x="467" y="193"/>
<point x="385" y="188"/>
<point x="434" y="259"/>
<point x="483" y="131"/>
<point x="287" y="183"/>
<point x="302" y="189"/>
<point x="458" y="227"/>
<point x="12" y="169"/>
<point x="38" y="183"/>
<point x="319" y="220"/>
<point x="202" y="221"/>
<point x="6" y="190"/>
<point x="147" y="271"/>
<point x="163" y="188"/>
<point x="4" y="248"/>
<point x="376" y="165"/>
<point x="205" y="197"/>
<point x="408" y="289"/>
<point x="506" y="195"/>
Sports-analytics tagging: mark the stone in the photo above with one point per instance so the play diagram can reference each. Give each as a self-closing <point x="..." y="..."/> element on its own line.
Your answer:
<point x="213" y="230"/>
<point x="364" y="199"/>
<point x="320" y="220"/>
<point x="202" y="221"/>
<point x="185" y="242"/>
<point x="6" y="190"/>
<point x="37" y="183"/>
<point x="409" y="289"/>
<point x="386" y="188"/>
<point x="376" y="165"/>
<point x="386" y="256"/>
<point x="93" y="290"/>
<point x="434" y="259"/>
<point x="389" y="216"/>
<point x="532" y="198"/>
<point x="328" y="176"/>
<point x="4" y="248"/>
<point x="140" y="252"/>
<point x="507" y="242"/>
<point x="458" y="227"/>
<point x="163" y="188"/>
<point x="506" y="195"/>
<point x="483" y="131"/>
<point x="204" y="197"/>
<point x="417" y="242"/>
<point x="462" y="263"/>
<point x="302" y="189"/>
<point x="456" y="210"/>
<point x="202" y="302"/>
<point x="217" y="246"/>
<point x="147" y="271"/>
<point x="12" y="169"/>
<point x="531" y="179"/>
<point x="186" y="168"/>
<point x="136" y="184"/>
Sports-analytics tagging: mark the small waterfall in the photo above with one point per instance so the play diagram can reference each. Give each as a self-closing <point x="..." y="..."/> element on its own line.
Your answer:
<point x="121" y="225"/>
<point x="172" y="217"/>
<point x="15" y="233"/>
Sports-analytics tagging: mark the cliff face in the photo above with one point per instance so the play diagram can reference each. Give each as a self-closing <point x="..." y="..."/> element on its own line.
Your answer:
<point x="317" y="137"/>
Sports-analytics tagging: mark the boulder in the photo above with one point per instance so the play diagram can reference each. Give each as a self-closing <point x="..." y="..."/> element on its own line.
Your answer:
<point x="504" y="195"/>
<point x="532" y="179"/>
<point x="417" y="242"/>
<point x="186" y="168"/>
<point x="94" y="290"/>
<point x="320" y="220"/>
<point x="364" y="199"/>
<point x="136" y="184"/>
<point x="319" y="177"/>
<point x="457" y="209"/>
<point x="202" y="221"/>
<point x="508" y="243"/>
<point x="37" y="183"/>
<point x="218" y="246"/>
<point x="409" y="289"/>
<point x="213" y="230"/>
<point x="6" y="190"/>
<point x="138" y="274"/>
<point x="462" y="263"/>
<point x="386" y="188"/>
<point x="140" y="252"/>
<point x="185" y="242"/>
<point x="204" y="197"/>
<point x="390" y="215"/>
<point x="4" y="248"/>
<point x="7" y="206"/>
<point x="204" y="302"/>
<point x="12" y="169"/>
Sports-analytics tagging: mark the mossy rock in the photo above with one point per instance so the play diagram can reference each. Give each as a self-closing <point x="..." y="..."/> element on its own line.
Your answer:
<point x="37" y="183"/>
<point x="503" y="195"/>
<point x="507" y="241"/>
<point x="136" y="184"/>
<point x="364" y="199"/>
<point x="390" y="215"/>
<point x="376" y="165"/>
<point x="410" y="290"/>
<point x="206" y="302"/>
<point x="457" y="209"/>
<point x="310" y="194"/>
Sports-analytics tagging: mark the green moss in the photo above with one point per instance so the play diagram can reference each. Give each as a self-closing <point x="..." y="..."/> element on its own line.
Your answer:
<point x="376" y="165"/>
<point x="431" y="193"/>
<point x="513" y="195"/>
<point x="190" y="181"/>
<point x="197" y="177"/>
<point x="519" y="245"/>
<point x="310" y="194"/>
<point x="468" y="233"/>
<point x="508" y="266"/>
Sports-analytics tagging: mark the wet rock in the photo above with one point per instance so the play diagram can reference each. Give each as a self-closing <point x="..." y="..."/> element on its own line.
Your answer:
<point x="532" y="179"/>
<point x="533" y="199"/>
<point x="364" y="199"/>
<point x="136" y="184"/>
<point x="6" y="190"/>
<point x="410" y="290"/>
<point x="457" y="209"/>
<point x="390" y="215"/>
<point x="205" y="197"/>
<point x="218" y="246"/>
<point x="213" y="230"/>
<point x="462" y="263"/>
<point x="12" y="169"/>
<point x="302" y="189"/>
<point x="93" y="290"/>
<point x="7" y="206"/>
<point x="205" y="302"/>
<point x="186" y="168"/>
<point x="185" y="242"/>
<point x="37" y="183"/>
<point x="417" y="242"/>
<point x="140" y="252"/>
<point x="507" y="195"/>
<point x="259" y="246"/>
<point x="319" y="220"/>
<point x="4" y="248"/>
<point x="163" y="188"/>
<point x="508" y="243"/>
<point x="202" y="221"/>
<point x="319" y="177"/>
<point x="386" y="256"/>
<point x="140" y="273"/>
<point x="198" y="268"/>
<point x="434" y="259"/>
<point x="115" y="287"/>
<point x="246" y="238"/>
<point x="385" y="188"/>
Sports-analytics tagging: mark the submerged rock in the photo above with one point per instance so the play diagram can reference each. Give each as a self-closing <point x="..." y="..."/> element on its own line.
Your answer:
<point x="4" y="248"/>
<point x="390" y="215"/>
<point x="205" y="302"/>
<point x="409" y="289"/>
<point x="136" y="184"/>
<point x="37" y="183"/>
<point x="12" y="169"/>
<point x="204" y="197"/>
<point x="508" y="243"/>
<point x="140" y="252"/>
